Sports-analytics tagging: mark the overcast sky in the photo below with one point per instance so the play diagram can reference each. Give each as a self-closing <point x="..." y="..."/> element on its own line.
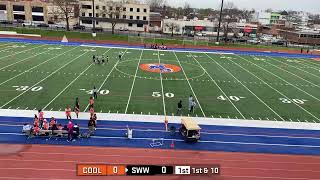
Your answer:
<point x="303" y="5"/>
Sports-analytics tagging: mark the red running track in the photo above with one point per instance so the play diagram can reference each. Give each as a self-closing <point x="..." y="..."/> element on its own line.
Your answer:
<point x="42" y="162"/>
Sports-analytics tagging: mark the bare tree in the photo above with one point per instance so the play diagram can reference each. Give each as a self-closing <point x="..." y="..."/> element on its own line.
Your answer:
<point x="65" y="9"/>
<point x="187" y="9"/>
<point x="113" y="12"/>
<point x="172" y="27"/>
<point x="156" y="3"/>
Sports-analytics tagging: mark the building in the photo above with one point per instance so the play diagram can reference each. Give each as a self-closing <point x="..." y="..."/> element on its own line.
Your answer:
<point x="127" y="15"/>
<point x="33" y="11"/>
<point x="189" y="27"/>
<point x="270" y="18"/>
<point x="155" y="22"/>
<point x="310" y="37"/>
<point x="27" y="11"/>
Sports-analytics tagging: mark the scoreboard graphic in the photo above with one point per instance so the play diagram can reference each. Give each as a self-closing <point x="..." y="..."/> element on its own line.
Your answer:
<point x="146" y="170"/>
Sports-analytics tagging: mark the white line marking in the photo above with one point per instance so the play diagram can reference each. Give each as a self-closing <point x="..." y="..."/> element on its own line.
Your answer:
<point x="246" y="87"/>
<point x="22" y="51"/>
<point x="218" y="87"/>
<point x="22" y="60"/>
<point x="133" y="82"/>
<point x="274" y="88"/>
<point x="35" y="67"/>
<point x="43" y="79"/>
<point x="67" y="86"/>
<point x="185" y="75"/>
<point x="161" y="82"/>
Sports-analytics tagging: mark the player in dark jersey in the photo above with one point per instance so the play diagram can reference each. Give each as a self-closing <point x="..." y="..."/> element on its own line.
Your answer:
<point x="77" y="107"/>
<point x="94" y="58"/>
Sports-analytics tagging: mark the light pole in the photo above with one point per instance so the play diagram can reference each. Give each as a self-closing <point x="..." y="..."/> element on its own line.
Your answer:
<point x="93" y="17"/>
<point x="220" y="18"/>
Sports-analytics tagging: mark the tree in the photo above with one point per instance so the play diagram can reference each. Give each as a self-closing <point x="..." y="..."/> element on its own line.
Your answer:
<point x="172" y="27"/>
<point x="113" y="12"/>
<point x="187" y="9"/>
<point x="156" y="3"/>
<point x="65" y="10"/>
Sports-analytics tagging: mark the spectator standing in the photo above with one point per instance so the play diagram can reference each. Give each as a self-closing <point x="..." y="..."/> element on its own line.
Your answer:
<point x="91" y="126"/>
<point x="179" y="108"/>
<point x="190" y="102"/>
<point x="95" y="95"/>
<point x="68" y="113"/>
<point x="70" y="130"/>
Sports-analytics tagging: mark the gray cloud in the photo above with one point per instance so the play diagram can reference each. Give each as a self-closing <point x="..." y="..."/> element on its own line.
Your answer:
<point x="306" y="5"/>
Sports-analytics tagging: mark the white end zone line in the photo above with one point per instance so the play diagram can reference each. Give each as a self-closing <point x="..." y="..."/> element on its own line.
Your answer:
<point x="43" y="79"/>
<point x="245" y="87"/>
<point x="35" y="66"/>
<point x="227" y="97"/>
<point x="185" y="75"/>
<point x="133" y="82"/>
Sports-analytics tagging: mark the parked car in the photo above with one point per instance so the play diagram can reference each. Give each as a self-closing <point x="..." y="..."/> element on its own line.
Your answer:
<point x="253" y="41"/>
<point x="28" y="24"/>
<point x="124" y="29"/>
<point x="97" y="29"/>
<point x="79" y="27"/>
<point x="6" y="22"/>
<point x="58" y="26"/>
<point x="42" y="25"/>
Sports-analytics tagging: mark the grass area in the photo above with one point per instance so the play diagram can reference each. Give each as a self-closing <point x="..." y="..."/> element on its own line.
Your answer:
<point x="136" y="39"/>
<point x="50" y="77"/>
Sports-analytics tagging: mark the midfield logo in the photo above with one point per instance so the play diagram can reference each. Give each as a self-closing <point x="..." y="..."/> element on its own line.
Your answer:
<point x="160" y="68"/>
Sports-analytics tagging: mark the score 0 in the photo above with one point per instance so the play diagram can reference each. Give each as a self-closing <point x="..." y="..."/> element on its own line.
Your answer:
<point x="116" y="170"/>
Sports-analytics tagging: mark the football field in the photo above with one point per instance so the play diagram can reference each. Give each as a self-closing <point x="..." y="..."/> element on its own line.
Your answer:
<point x="50" y="77"/>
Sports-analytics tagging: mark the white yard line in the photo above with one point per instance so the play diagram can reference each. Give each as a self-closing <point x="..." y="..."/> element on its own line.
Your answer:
<point x="281" y="78"/>
<point x="218" y="87"/>
<point x="36" y="66"/>
<point x="161" y="82"/>
<point x="43" y="79"/>
<point x="105" y="80"/>
<point x="293" y="73"/>
<point x="306" y="64"/>
<point x="274" y="88"/>
<point x="311" y="62"/>
<point x="5" y="44"/>
<point x="133" y="82"/>
<point x="185" y="75"/>
<point x="22" y="60"/>
<point x="246" y="88"/>
<point x="312" y="74"/>
<point x="67" y="86"/>
<point x="23" y="51"/>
